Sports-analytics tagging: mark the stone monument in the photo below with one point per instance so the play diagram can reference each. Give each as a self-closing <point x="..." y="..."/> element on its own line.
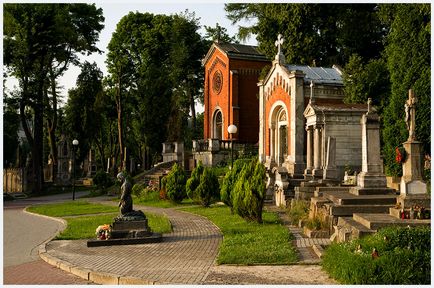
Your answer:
<point x="130" y="227"/>
<point x="371" y="180"/>
<point x="413" y="188"/>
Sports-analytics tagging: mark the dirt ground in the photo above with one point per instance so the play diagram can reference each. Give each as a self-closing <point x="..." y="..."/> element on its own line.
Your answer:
<point x="293" y="274"/>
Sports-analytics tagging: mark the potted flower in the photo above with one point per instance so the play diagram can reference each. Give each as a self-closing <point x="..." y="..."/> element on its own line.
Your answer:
<point x="103" y="232"/>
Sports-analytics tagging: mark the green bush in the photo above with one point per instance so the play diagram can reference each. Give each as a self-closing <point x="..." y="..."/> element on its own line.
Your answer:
<point x="249" y="191"/>
<point x="137" y="189"/>
<point x="194" y="181"/>
<point x="404" y="258"/>
<point x="175" y="184"/>
<point x="208" y="189"/>
<point x="229" y="180"/>
<point x="102" y="180"/>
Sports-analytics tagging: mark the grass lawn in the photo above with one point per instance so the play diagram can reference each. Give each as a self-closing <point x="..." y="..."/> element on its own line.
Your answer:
<point x="83" y="227"/>
<point x="153" y="200"/>
<point x="249" y="243"/>
<point x="71" y="208"/>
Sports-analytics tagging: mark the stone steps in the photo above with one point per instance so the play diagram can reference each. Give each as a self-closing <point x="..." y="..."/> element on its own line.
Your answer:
<point x="356" y="229"/>
<point x="376" y="221"/>
<point x="320" y="190"/>
<point x="349" y="210"/>
<point x="342" y="198"/>
<point x="359" y="191"/>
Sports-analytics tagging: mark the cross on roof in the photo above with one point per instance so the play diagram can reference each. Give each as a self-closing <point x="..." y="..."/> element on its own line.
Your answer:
<point x="279" y="43"/>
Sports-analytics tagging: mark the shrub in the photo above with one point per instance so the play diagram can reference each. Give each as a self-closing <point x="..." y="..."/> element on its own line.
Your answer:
<point x="299" y="210"/>
<point x="102" y="180"/>
<point x="228" y="182"/>
<point x="404" y="258"/>
<point x="137" y="189"/>
<point x="208" y="189"/>
<point x="249" y="191"/>
<point x="175" y="185"/>
<point x="194" y="181"/>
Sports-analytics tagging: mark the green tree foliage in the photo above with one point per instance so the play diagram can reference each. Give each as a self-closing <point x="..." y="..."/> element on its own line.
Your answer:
<point x="408" y="47"/>
<point x="194" y="181"/>
<point x="363" y="81"/>
<point x="326" y="34"/>
<point x="81" y="117"/>
<point x="208" y="190"/>
<point x="175" y="184"/>
<point x="155" y="76"/>
<point x="38" y="40"/>
<point x="229" y="181"/>
<point x="249" y="192"/>
<point x="218" y="33"/>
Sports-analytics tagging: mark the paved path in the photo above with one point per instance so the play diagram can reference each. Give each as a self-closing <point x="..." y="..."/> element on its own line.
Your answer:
<point x="22" y="234"/>
<point x="184" y="256"/>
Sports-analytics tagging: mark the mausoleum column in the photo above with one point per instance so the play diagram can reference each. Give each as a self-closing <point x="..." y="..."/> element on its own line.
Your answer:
<point x="317" y="151"/>
<point x="309" y="152"/>
<point x="273" y="142"/>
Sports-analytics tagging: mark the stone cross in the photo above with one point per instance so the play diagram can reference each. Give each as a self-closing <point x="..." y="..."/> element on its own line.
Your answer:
<point x="369" y="105"/>
<point x="311" y="100"/>
<point x="279" y="43"/>
<point x="410" y="115"/>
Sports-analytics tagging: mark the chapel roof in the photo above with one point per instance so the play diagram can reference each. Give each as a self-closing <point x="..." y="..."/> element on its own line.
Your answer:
<point x="320" y="75"/>
<point x="237" y="51"/>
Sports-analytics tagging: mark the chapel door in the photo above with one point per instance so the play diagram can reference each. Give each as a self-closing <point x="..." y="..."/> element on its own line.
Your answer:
<point x="283" y="143"/>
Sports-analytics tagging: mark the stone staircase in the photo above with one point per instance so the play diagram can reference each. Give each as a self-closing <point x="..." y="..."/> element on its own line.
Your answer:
<point x="155" y="173"/>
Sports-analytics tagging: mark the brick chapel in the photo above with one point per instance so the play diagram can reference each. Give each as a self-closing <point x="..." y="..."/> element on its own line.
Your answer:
<point x="231" y="92"/>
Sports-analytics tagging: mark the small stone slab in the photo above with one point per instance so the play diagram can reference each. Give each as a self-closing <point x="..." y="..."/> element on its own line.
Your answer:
<point x="130" y="225"/>
<point x="154" y="238"/>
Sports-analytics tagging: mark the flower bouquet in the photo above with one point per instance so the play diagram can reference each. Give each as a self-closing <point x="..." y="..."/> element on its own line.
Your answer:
<point x="400" y="155"/>
<point x="103" y="232"/>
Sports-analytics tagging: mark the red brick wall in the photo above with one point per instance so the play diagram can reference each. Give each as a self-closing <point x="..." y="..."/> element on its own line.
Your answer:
<point x="239" y="90"/>
<point x="278" y="94"/>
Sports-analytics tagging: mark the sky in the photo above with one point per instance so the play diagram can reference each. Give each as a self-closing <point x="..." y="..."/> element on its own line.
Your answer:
<point x="209" y="13"/>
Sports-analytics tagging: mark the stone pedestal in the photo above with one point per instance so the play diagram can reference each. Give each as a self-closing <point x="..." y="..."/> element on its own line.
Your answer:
<point x="411" y="181"/>
<point x="372" y="173"/>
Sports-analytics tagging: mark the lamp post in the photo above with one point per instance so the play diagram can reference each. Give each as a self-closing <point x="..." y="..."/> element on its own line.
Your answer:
<point x="74" y="146"/>
<point x="232" y="129"/>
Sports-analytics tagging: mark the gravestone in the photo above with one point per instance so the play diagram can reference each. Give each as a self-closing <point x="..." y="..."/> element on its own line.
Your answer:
<point x="413" y="188"/>
<point x="371" y="180"/>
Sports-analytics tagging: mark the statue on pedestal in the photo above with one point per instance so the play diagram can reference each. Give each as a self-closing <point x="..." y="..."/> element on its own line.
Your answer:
<point x="126" y="202"/>
<point x="410" y="115"/>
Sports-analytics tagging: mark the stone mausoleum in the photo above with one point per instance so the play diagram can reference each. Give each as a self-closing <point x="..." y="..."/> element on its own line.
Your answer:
<point x="306" y="132"/>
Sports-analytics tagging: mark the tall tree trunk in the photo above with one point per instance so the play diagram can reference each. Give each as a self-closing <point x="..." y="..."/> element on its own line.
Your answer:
<point x="193" y="109"/>
<point x="119" y="110"/>
<point x="52" y="125"/>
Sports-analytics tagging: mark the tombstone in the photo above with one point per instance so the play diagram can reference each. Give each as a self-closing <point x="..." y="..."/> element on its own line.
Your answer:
<point x="371" y="175"/>
<point x="371" y="180"/>
<point x="413" y="188"/>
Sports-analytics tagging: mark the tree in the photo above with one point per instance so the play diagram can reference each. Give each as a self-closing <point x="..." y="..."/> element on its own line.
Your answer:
<point x="175" y="184"/>
<point x="408" y="47"/>
<point x="249" y="192"/>
<point x="218" y="34"/>
<point x="155" y="71"/>
<point x="316" y="34"/>
<point x="367" y="80"/>
<point x="81" y="116"/>
<point x="36" y="37"/>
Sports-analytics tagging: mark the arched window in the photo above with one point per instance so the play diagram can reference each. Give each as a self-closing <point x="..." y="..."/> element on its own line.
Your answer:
<point x="218" y="125"/>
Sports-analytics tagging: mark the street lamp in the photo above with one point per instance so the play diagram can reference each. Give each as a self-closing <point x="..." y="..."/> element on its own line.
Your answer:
<point x="74" y="147"/>
<point x="232" y="129"/>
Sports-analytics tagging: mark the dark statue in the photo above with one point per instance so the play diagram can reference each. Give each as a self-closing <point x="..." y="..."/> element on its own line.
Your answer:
<point x="126" y="202"/>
